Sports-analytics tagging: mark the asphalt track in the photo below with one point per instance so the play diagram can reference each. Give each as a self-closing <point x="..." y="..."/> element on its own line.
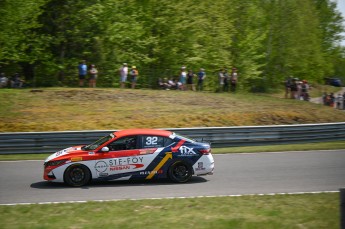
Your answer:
<point x="235" y="174"/>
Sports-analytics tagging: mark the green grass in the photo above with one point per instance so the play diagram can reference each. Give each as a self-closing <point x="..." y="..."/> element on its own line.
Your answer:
<point x="280" y="211"/>
<point x="246" y="149"/>
<point x="61" y="109"/>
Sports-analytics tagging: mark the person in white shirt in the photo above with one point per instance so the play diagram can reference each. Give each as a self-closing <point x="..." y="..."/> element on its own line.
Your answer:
<point x="123" y="75"/>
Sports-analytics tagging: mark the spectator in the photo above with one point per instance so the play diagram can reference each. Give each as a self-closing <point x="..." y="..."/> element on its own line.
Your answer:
<point x="82" y="69"/>
<point x="339" y="101"/>
<point x="325" y="98"/>
<point x="190" y="76"/>
<point x="172" y="83"/>
<point x="226" y="80"/>
<point x="16" y="81"/>
<point x="221" y="80"/>
<point x="287" y="86"/>
<point x="331" y="100"/>
<point x="134" y="76"/>
<point x="123" y="75"/>
<point x="305" y="90"/>
<point x="3" y="80"/>
<point x="93" y="76"/>
<point x="294" y="88"/>
<point x="163" y="84"/>
<point x="201" y="77"/>
<point x="183" y="76"/>
<point x="233" y="79"/>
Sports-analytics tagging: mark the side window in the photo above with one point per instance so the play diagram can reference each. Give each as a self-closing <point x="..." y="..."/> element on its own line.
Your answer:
<point x="150" y="141"/>
<point x="125" y="143"/>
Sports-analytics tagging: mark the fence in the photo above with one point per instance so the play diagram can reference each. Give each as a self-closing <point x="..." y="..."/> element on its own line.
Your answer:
<point x="49" y="142"/>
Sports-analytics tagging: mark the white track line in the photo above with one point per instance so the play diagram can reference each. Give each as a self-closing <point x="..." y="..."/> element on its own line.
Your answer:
<point x="182" y="197"/>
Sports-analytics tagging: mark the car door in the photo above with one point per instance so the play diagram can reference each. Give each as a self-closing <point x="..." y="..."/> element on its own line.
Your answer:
<point x="124" y="156"/>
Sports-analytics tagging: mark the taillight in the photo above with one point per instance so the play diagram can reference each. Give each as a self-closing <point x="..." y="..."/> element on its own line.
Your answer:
<point x="205" y="151"/>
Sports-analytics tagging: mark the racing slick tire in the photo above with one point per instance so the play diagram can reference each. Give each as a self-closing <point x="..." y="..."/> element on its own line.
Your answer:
<point x="77" y="175"/>
<point x="180" y="172"/>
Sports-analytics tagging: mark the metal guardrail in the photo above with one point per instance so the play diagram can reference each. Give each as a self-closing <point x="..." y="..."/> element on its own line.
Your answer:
<point x="49" y="142"/>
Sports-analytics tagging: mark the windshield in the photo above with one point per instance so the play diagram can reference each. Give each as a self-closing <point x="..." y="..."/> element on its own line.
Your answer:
<point x="99" y="142"/>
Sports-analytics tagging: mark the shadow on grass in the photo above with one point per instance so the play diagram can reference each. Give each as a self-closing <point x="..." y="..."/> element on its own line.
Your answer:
<point x="102" y="184"/>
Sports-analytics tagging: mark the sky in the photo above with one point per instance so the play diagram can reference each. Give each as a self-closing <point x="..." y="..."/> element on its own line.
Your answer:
<point x="341" y="8"/>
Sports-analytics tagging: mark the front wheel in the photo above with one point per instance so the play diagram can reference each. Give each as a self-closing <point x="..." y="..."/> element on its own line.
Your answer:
<point x="180" y="172"/>
<point x="77" y="175"/>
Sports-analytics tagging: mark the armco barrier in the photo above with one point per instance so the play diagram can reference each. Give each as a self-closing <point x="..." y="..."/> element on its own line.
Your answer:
<point x="49" y="142"/>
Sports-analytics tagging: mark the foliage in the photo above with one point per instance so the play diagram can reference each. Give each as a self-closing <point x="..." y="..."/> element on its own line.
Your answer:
<point x="267" y="40"/>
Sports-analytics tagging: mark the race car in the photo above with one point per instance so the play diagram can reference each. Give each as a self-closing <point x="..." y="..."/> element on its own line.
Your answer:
<point x="131" y="154"/>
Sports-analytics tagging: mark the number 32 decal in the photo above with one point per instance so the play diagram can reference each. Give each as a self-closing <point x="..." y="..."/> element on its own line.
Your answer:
<point x="151" y="141"/>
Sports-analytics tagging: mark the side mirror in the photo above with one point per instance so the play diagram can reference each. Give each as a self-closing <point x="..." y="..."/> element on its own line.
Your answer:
<point x="105" y="149"/>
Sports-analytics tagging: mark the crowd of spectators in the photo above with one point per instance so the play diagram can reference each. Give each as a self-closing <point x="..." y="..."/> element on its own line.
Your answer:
<point x="332" y="100"/>
<point x="297" y="89"/>
<point x="190" y="80"/>
<point x="14" y="81"/>
<point x="185" y="81"/>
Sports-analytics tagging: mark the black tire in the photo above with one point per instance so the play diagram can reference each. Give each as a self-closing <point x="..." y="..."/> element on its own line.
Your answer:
<point x="77" y="175"/>
<point x="180" y="172"/>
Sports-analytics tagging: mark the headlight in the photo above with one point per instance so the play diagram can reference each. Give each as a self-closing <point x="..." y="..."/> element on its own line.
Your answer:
<point x="55" y="163"/>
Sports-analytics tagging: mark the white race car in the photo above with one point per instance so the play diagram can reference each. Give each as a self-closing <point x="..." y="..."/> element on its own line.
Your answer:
<point x="131" y="154"/>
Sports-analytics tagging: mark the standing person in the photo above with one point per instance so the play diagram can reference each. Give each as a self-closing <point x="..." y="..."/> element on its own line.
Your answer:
<point x="82" y="69"/>
<point x="305" y="90"/>
<point x="294" y="88"/>
<point x="332" y="99"/>
<point x="3" y="80"/>
<point x="16" y="81"/>
<point x="201" y="77"/>
<point x="287" y="86"/>
<point x="183" y="77"/>
<point x="233" y="79"/>
<point x="221" y="79"/>
<point x="226" y="80"/>
<point x="93" y="76"/>
<point x="190" y="85"/>
<point x="123" y="75"/>
<point x="339" y="100"/>
<point x="134" y="76"/>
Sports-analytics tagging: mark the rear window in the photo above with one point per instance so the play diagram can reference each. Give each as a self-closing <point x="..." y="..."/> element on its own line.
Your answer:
<point x="152" y="141"/>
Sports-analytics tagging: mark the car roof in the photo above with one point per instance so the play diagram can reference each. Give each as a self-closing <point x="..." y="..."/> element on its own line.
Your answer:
<point x="164" y="133"/>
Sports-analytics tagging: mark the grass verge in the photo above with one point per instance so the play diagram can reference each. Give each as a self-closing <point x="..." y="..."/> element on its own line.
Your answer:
<point x="61" y="109"/>
<point x="279" y="211"/>
<point x="247" y="149"/>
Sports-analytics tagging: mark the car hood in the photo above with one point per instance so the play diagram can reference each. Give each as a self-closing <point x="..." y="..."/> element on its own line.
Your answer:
<point x="75" y="150"/>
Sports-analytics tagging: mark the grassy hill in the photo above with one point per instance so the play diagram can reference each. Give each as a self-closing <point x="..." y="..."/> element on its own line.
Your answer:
<point x="60" y="109"/>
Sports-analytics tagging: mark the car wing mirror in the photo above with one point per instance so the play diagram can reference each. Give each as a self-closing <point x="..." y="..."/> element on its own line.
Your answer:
<point x="105" y="149"/>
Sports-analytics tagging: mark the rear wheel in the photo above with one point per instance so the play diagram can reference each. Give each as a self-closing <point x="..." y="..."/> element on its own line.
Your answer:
<point x="180" y="172"/>
<point x="77" y="175"/>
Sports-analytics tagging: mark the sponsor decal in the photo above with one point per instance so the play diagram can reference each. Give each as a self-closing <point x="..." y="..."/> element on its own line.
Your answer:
<point x="121" y="164"/>
<point x="74" y="159"/>
<point x="200" y="166"/>
<point x="147" y="151"/>
<point x="101" y="166"/>
<point x="91" y="153"/>
<point x="126" y="167"/>
<point x="160" y="165"/>
<point x="149" y="172"/>
<point x="125" y="161"/>
<point x="103" y="174"/>
<point x="186" y="151"/>
<point x="62" y="152"/>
